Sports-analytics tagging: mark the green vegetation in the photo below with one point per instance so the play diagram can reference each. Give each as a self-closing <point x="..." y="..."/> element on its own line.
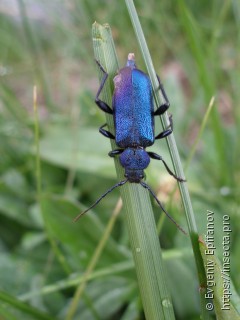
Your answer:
<point x="44" y="255"/>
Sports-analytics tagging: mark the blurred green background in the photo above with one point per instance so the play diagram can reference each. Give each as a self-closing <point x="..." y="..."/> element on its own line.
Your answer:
<point x="195" y="49"/>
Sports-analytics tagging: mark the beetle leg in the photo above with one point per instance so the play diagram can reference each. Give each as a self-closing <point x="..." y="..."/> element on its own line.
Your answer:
<point x="158" y="157"/>
<point x="168" y="130"/>
<point x="146" y="186"/>
<point x="161" y="109"/>
<point x="163" y="134"/>
<point x="101" y="104"/>
<point x="115" y="152"/>
<point x="106" y="133"/>
<point x="164" y="106"/>
<point x="163" y="91"/>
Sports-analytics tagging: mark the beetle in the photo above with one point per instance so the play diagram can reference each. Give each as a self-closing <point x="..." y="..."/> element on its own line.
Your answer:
<point x="133" y="113"/>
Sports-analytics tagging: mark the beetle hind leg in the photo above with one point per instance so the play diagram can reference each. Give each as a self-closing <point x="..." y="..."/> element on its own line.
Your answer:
<point x="156" y="156"/>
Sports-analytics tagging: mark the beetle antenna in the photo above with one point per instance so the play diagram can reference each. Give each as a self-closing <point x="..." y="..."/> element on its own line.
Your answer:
<point x="161" y="206"/>
<point x="119" y="184"/>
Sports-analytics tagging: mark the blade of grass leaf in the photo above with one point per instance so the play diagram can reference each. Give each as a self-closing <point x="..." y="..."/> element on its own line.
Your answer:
<point x="24" y="307"/>
<point x="92" y="264"/>
<point x="224" y="307"/>
<point x="174" y="155"/>
<point x="52" y="241"/>
<point x="139" y="216"/>
<point x="36" y="136"/>
<point x="202" y="127"/>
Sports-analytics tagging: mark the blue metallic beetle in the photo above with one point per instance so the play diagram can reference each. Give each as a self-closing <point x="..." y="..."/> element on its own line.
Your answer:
<point x="133" y="113"/>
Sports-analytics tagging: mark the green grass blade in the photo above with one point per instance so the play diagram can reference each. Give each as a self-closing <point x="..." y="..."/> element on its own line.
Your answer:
<point x="52" y="241"/>
<point x="24" y="307"/>
<point x="93" y="262"/>
<point x="222" y="289"/>
<point x="36" y="136"/>
<point x="202" y="127"/>
<point x="173" y="152"/>
<point x="139" y="216"/>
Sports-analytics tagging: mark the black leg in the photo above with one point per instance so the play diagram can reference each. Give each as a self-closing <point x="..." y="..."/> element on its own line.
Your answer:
<point x="106" y="133"/>
<point x="166" y="132"/>
<point x="163" y="107"/>
<point x="163" y="134"/>
<point x="160" y="205"/>
<point x="115" y="152"/>
<point x="157" y="157"/>
<point x="101" y="104"/>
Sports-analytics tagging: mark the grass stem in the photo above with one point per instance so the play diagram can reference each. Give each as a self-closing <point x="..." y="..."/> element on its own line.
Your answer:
<point x="139" y="217"/>
<point x="93" y="262"/>
<point x="174" y="155"/>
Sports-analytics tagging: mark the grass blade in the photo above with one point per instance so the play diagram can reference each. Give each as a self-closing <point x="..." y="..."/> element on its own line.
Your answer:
<point x="52" y="241"/>
<point x="174" y="154"/>
<point x="93" y="262"/>
<point x="223" y="305"/>
<point x="24" y="307"/>
<point x="139" y="216"/>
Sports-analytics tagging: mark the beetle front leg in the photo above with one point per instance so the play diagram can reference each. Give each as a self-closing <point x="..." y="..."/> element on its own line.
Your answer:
<point x="158" y="157"/>
<point x="101" y="104"/>
<point x="106" y="133"/>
